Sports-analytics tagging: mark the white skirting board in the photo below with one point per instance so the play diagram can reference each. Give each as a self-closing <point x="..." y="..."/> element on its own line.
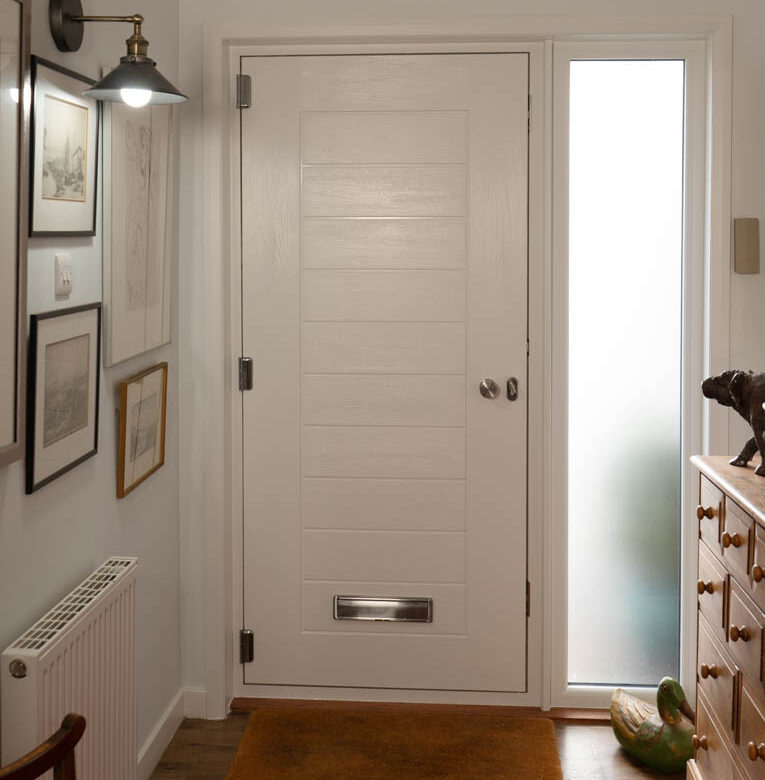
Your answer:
<point x="154" y="746"/>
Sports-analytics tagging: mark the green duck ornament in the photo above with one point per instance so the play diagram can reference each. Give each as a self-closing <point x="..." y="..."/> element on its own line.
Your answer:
<point x="657" y="737"/>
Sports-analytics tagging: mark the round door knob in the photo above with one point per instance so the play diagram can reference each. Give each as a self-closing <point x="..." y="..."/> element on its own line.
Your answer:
<point x="709" y="671"/>
<point x="489" y="388"/>
<point x="755" y="751"/>
<point x="702" y="512"/>
<point x="757" y="572"/>
<point x="742" y="633"/>
<point x="699" y="743"/>
<point x="735" y="540"/>
<point x="704" y="587"/>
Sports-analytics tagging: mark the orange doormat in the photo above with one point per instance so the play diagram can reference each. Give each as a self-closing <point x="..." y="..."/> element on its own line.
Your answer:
<point x="359" y="744"/>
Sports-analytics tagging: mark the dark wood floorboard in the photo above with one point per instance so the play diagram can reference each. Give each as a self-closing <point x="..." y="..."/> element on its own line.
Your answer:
<point x="204" y="750"/>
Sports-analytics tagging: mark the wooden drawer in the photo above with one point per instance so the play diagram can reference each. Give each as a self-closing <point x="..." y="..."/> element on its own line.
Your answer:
<point x="745" y="628"/>
<point x="713" y="760"/>
<point x="752" y="731"/>
<point x="710" y="512"/>
<point x="738" y="530"/>
<point x="713" y="590"/>
<point x="718" y="678"/>
<point x="757" y="572"/>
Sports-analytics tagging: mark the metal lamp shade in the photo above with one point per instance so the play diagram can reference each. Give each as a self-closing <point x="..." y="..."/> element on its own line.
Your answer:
<point x="136" y="75"/>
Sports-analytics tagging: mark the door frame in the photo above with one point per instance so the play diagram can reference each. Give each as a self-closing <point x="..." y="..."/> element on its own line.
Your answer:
<point x="535" y="409"/>
<point x="213" y="516"/>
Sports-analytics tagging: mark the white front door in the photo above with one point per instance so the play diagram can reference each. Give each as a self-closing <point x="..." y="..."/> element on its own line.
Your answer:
<point x="384" y="276"/>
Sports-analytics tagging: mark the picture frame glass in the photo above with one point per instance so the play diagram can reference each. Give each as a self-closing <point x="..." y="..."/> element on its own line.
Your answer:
<point x="64" y="153"/>
<point x="137" y="230"/>
<point x="63" y="392"/>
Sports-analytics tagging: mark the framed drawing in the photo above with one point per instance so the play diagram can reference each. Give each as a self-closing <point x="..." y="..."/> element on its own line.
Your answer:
<point x="143" y="408"/>
<point x="64" y="153"/>
<point x="62" y="404"/>
<point x="15" y="26"/>
<point x="137" y="229"/>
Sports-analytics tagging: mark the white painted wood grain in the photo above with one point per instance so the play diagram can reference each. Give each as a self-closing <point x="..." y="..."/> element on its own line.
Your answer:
<point x="384" y="504"/>
<point x="383" y="191"/>
<point x="383" y="348"/>
<point x="348" y="137"/>
<point x="337" y="451"/>
<point x="386" y="82"/>
<point x="384" y="556"/>
<point x="343" y="399"/>
<point x="448" y="607"/>
<point x="437" y="242"/>
<point x="385" y="296"/>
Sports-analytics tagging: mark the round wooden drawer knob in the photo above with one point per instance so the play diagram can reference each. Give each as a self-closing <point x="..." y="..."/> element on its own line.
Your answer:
<point x="700" y="743"/>
<point x="742" y="633"/>
<point x="757" y="573"/>
<point x="704" y="587"/>
<point x="702" y="512"/>
<point x="709" y="671"/>
<point x="728" y="540"/>
<point x="755" y="751"/>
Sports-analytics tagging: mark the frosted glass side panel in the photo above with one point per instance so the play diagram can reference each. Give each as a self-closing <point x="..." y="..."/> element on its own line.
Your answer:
<point x="625" y="298"/>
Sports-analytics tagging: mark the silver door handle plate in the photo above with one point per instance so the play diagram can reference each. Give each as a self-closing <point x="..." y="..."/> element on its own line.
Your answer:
<point x="489" y="388"/>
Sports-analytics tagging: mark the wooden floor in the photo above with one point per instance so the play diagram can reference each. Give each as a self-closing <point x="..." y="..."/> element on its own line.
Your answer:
<point x="204" y="750"/>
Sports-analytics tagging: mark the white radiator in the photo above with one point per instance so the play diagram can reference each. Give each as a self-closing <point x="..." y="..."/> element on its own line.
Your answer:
<point x="80" y="657"/>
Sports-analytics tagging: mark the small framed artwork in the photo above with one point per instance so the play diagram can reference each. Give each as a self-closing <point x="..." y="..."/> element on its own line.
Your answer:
<point x="143" y="408"/>
<point x="62" y="402"/>
<point x="64" y="153"/>
<point x="138" y="223"/>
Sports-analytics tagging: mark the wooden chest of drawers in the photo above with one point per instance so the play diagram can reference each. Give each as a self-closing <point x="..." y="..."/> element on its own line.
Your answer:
<point x="730" y="666"/>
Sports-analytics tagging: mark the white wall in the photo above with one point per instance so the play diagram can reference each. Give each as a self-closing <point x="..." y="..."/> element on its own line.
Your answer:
<point x="201" y="282"/>
<point x="50" y="540"/>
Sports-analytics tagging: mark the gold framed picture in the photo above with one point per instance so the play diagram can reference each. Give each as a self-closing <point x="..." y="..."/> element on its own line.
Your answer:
<point x="143" y="410"/>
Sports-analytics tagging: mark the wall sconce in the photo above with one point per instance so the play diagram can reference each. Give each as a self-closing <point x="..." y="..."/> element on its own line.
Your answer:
<point x="136" y="80"/>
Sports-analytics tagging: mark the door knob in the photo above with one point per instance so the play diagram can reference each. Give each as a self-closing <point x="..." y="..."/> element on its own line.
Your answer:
<point x="489" y="388"/>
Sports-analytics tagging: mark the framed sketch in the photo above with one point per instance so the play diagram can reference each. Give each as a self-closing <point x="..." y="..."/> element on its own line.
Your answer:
<point x="64" y="153"/>
<point x="143" y="408"/>
<point x="137" y="229"/>
<point x="62" y="405"/>
<point x="15" y="25"/>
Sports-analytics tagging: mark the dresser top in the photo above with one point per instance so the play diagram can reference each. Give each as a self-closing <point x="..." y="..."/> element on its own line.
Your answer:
<point x="741" y="484"/>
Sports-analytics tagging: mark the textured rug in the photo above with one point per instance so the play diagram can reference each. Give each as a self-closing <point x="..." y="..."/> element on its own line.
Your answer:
<point x="363" y="744"/>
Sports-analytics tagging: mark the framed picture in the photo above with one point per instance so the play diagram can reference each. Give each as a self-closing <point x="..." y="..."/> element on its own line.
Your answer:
<point x="137" y="229"/>
<point x="62" y="404"/>
<point x="64" y="153"/>
<point x="15" y="26"/>
<point x="143" y="408"/>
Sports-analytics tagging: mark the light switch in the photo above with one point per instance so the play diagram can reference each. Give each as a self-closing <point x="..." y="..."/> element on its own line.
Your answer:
<point x="746" y="244"/>
<point x="63" y="274"/>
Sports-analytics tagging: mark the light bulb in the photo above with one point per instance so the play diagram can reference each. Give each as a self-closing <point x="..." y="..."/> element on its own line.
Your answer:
<point x="135" y="97"/>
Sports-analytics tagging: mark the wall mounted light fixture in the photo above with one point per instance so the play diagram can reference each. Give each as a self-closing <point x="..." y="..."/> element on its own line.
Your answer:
<point x="136" y="80"/>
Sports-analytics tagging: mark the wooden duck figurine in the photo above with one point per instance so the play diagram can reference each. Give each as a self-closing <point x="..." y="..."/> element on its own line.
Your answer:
<point x="659" y="738"/>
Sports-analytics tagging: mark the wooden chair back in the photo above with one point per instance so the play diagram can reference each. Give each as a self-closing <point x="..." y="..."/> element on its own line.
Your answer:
<point x="56" y="753"/>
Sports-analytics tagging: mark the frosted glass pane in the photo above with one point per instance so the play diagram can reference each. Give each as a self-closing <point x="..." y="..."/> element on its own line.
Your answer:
<point x="625" y="278"/>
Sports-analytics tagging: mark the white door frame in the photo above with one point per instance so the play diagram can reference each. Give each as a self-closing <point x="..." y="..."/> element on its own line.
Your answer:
<point x="213" y="513"/>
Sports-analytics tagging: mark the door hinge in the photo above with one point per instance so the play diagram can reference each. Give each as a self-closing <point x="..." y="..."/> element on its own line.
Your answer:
<point x="529" y="114"/>
<point x="243" y="91"/>
<point x="246" y="646"/>
<point x="528" y="599"/>
<point x="245" y="373"/>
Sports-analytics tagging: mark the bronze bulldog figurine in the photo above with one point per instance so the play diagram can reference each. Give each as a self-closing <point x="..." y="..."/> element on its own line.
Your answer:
<point x="745" y="392"/>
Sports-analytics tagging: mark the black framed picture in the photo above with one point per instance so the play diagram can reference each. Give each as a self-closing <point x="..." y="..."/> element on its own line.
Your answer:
<point x="64" y="156"/>
<point x="62" y="401"/>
